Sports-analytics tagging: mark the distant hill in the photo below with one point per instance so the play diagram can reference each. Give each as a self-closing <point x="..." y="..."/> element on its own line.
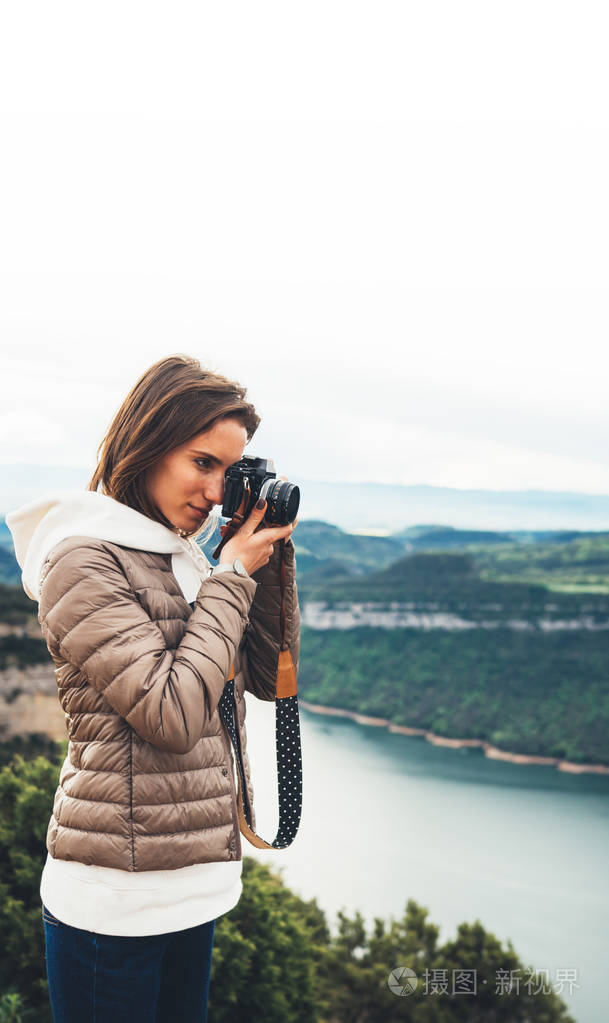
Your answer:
<point x="449" y="582"/>
<point x="434" y="536"/>
<point x="318" y="543"/>
<point x="505" y="581"/>
<point x="419" y="537"/>
<point x="563" y="560"/>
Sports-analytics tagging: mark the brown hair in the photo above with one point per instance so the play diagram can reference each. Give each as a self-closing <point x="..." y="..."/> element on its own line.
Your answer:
<point x="174" y="400"/>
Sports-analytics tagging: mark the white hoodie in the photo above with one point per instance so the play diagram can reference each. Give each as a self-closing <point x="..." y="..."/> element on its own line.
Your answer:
<point x="103" y="899"/>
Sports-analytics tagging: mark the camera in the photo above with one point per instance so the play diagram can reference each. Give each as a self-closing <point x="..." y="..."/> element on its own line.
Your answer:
<point x="254" y="478"/>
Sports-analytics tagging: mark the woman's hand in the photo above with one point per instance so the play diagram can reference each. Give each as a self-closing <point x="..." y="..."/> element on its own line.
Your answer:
<point x="253" y="543"/>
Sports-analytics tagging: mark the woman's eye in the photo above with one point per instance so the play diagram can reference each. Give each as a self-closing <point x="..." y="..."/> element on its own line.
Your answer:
<point x="206" y="462"/>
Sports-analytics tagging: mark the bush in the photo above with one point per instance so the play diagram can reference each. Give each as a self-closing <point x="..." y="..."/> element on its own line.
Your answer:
<point x="274" y="958"/>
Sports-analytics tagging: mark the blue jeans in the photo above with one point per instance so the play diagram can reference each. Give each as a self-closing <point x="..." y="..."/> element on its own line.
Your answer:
<point x="102" y="978"/>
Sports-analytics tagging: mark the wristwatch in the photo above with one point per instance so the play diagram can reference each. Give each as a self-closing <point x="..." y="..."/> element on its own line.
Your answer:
<point x="235" y="567"/>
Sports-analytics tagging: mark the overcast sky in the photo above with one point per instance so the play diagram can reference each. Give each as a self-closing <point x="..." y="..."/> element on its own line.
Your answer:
<point x="388" y="220"/>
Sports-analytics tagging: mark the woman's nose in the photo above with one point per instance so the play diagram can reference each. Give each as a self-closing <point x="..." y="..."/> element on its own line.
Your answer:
<point x="214" y="491"/>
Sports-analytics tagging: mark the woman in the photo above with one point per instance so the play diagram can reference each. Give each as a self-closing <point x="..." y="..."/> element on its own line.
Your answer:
<point x="144" y="849"/>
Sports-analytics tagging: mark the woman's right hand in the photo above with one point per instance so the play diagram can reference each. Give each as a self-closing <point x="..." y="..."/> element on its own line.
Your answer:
<point x="252" y="545"/>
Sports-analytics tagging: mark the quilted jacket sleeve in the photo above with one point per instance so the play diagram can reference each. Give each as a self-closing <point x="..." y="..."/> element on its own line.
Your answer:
<point x="91" y="618"/>
<point x="262" y="639"/>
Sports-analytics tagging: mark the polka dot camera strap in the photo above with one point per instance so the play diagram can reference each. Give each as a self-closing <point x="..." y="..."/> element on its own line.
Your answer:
<point x="287" y="740"/>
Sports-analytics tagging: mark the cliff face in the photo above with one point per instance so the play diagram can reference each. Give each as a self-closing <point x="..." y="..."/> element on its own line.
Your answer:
<point x="33" y="712"/>
<point x="317" y="614"/>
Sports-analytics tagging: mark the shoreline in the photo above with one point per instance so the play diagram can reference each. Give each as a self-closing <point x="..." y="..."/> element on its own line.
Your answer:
<point x="490" y="751"/>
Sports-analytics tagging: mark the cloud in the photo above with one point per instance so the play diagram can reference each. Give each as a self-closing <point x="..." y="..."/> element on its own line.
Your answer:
<point x="25" y="432"/>
<point x="395" y="224"/>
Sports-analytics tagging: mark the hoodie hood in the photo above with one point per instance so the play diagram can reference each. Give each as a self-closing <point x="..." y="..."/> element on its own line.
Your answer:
<point x="38" y="526"/>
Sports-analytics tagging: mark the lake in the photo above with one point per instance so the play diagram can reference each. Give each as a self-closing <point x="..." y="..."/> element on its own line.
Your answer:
<point x="388" y="817"/>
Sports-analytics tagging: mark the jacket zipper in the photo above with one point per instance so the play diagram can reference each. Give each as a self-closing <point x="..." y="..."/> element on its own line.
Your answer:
<point x="131" y="798"/>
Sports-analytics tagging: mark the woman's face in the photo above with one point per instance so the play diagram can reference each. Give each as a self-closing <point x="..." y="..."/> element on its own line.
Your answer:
<point x="188" y="481"/>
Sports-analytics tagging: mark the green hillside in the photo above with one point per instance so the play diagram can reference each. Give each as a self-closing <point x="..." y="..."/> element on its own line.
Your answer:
<point x="532" y="693"/>
<point x="563" y="561"/>
<point x="580" y="563"/>
<point x="531" y="672"/>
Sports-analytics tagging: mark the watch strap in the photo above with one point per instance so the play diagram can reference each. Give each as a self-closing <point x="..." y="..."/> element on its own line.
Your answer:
<point x="225" y="567"/>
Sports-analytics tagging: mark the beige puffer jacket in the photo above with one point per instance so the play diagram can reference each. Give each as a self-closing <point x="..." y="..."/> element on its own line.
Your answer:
<point x="149" y="783"/>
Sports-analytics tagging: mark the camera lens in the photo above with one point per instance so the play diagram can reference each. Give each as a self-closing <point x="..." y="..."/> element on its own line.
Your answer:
<point x="282" y="500"/>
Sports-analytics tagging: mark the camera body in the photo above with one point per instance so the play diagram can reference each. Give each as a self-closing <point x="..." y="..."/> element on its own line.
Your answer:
<point x="254" y="478"/>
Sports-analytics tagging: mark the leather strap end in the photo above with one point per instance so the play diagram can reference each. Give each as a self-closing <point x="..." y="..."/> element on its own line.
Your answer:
<point x="287" y="684"/>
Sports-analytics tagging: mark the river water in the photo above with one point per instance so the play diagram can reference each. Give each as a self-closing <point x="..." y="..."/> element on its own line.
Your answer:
<point x="386" y="817"/>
